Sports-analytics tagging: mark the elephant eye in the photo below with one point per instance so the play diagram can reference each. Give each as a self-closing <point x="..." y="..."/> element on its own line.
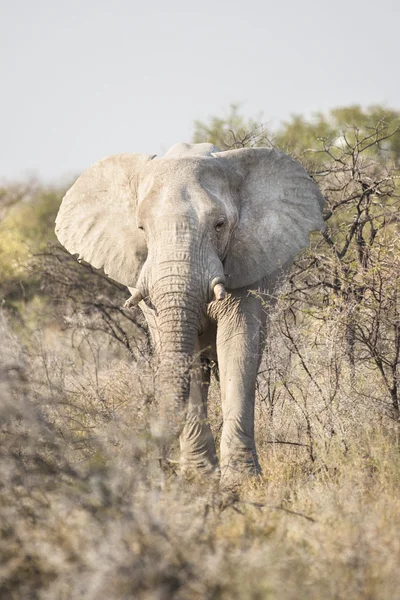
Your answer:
<point x="219" y="224"/>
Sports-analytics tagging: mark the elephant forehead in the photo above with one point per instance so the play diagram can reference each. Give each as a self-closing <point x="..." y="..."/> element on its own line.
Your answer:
<point x="186" y="199"/>
<point x="176" y="168"/>
<point x="197" y="180"/>
<point x="185" y="168"/>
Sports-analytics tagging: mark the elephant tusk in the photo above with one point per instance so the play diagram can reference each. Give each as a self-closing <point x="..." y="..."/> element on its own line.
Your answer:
<point x="219" y="291"/>
<point x="134" y="299"/>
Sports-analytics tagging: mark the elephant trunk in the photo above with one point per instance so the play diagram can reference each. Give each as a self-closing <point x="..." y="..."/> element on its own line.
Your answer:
<point x="178" y="321"/>
<point x="174" y="362"/>
<point x="177" y="287"/>
<point x="180" y="274"/>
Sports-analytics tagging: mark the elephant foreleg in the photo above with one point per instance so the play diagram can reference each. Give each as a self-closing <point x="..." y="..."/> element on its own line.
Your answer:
<point x="239" y="337"/>
<point x="196" y="441"/>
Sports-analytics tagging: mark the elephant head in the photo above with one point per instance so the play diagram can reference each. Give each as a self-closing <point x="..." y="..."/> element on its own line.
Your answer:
<point x="180" y="229"/>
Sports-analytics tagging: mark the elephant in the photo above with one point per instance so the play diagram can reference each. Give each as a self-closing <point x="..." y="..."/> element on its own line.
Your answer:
<point x="199" y="237"/>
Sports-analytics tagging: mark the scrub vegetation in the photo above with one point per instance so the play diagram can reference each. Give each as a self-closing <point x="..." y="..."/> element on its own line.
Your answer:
<point x="86" y="511"/>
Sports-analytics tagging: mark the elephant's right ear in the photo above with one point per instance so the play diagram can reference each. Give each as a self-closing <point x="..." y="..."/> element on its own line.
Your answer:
<point x="97" y="218"/>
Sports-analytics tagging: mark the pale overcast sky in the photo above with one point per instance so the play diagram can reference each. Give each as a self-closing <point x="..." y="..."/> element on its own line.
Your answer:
<point x="81" y="79"/>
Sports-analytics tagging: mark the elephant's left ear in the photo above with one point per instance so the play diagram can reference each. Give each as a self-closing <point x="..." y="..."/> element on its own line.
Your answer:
<point x="97" y="217"/>
<point x="279" y="206"/>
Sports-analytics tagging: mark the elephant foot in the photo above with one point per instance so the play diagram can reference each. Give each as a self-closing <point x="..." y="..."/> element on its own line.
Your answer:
<point x="239" y="467"/>
<point x="201" y="471"/>
<point x="202" y="463"/>
<point x="198" y="448"/>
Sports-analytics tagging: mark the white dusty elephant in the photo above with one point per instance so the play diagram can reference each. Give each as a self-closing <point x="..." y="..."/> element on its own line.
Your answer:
<point x="198" y="236"/>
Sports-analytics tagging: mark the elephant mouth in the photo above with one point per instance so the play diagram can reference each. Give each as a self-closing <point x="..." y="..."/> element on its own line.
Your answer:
<point x="150" y="305"/>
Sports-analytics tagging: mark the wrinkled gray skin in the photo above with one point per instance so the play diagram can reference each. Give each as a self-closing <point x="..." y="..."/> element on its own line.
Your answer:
<point x="173" y="228"/>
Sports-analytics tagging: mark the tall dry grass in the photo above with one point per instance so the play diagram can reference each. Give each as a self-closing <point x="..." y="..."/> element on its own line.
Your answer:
<point x="85" y="509"/>
<point x="86" y="512"/>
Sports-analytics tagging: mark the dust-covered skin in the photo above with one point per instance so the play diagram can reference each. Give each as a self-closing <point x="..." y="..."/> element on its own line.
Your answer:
<point x="199" y="237"/>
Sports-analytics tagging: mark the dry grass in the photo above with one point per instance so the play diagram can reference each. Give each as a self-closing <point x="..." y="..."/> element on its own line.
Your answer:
<point x="85" y="511"/>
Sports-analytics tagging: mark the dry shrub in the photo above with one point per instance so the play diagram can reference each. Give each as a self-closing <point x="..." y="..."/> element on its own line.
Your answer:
<point x="87" y="513"/>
